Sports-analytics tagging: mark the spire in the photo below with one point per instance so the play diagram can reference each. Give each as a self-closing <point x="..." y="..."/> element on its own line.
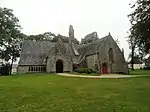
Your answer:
<point x="71" y="32"/>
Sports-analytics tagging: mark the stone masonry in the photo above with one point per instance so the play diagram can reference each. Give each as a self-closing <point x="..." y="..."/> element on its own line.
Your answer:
<point x="102" y="55"/>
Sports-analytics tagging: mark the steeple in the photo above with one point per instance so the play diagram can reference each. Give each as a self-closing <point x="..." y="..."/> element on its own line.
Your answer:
<point x="71" y="40"/>
<point x="71" y="33"/>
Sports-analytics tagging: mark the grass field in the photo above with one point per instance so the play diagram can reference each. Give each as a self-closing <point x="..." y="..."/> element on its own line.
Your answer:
<point x="91" y="74"/>
<point x="51" y="93"/>
<point x="140" y="72"/>
<point x="135" y="72"/>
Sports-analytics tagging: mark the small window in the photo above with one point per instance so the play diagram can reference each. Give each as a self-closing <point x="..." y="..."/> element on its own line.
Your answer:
<point x="96" y="67"/>
<point x="111" y="57"/>
<point x="34" y="68"/>
<point x="44" y="69"/>
<point x="29" y="69"/>
<point x="39" y="69"/>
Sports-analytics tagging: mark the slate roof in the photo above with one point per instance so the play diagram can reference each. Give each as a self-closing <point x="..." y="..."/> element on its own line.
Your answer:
<point x="35" y="53"/>
<point x="92" y="48"/>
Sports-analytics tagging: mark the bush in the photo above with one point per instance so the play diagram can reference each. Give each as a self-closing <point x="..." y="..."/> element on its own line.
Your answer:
<point x="146" y="68"/>
<point x="83" y="70"/>
<point x="5" y="69"/>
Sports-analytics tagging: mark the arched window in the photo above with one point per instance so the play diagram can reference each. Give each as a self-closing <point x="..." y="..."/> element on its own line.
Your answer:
<point x="111" y="57"/>
<point x="39" y="69"/>
<point x="36" y="68"/>
<point x="96" y="67"/>
<point x="44" y="69"/>
<point x="31" y="68"/>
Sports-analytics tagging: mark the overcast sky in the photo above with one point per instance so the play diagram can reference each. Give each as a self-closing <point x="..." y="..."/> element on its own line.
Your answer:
<point x="86" y="16"/>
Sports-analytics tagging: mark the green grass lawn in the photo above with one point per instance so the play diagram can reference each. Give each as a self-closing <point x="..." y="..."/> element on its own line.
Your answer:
<point x="140" y="72"/>
<point x="91" y="74"/>
<point x="51" y="93"/>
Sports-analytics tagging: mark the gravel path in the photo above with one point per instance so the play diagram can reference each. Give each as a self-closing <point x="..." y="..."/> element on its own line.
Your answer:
<point x="101" y="76"/>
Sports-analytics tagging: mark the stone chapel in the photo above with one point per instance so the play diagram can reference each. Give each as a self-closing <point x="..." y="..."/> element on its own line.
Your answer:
<point x="103" y="56"/>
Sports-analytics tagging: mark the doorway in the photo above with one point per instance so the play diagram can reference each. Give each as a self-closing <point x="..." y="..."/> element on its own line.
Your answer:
<point x="59" y="66"/>
<point x="104" y="69"/>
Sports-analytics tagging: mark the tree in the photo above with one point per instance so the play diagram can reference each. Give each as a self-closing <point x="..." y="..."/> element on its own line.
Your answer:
<point x="5" y="69"/>
<point x="47" y="36"/>
<point x="89" y="38"/>
<point x="140" y="26"/>
<point x="147" y="63"/>
<point x="10" y="36"/>
<point x="132" y="45"/>
<point x="64" y="39"/>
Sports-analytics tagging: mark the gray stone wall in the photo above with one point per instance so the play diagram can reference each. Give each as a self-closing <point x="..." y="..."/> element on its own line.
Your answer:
<point x="118" y="65"/>
<point x="30" y="69"/>
<point x="62" y="51"/>
<point x="91" y="61"/>
<point x="59" y="53"/>
<point x="22" y="69"/>
<point x="51" y="64"/>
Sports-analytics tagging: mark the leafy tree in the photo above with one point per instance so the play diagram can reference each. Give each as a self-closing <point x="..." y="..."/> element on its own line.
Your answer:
<point x="5" y="69"/>
<point x="47" y="36"/>
<point x="89" y="38"/>
<point x="132" y="45"/>
<point x="147" y="63"/>
<point x="64" y="39"/>
<point x="140" y="27"/>
<point x="10" y="35"/>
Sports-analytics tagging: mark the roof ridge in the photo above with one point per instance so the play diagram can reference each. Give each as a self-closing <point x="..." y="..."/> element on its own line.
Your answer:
<point x="95" y="41"/>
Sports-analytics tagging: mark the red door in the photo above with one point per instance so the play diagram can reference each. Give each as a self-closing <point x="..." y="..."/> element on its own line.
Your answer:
<point x="104" y="69"/>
